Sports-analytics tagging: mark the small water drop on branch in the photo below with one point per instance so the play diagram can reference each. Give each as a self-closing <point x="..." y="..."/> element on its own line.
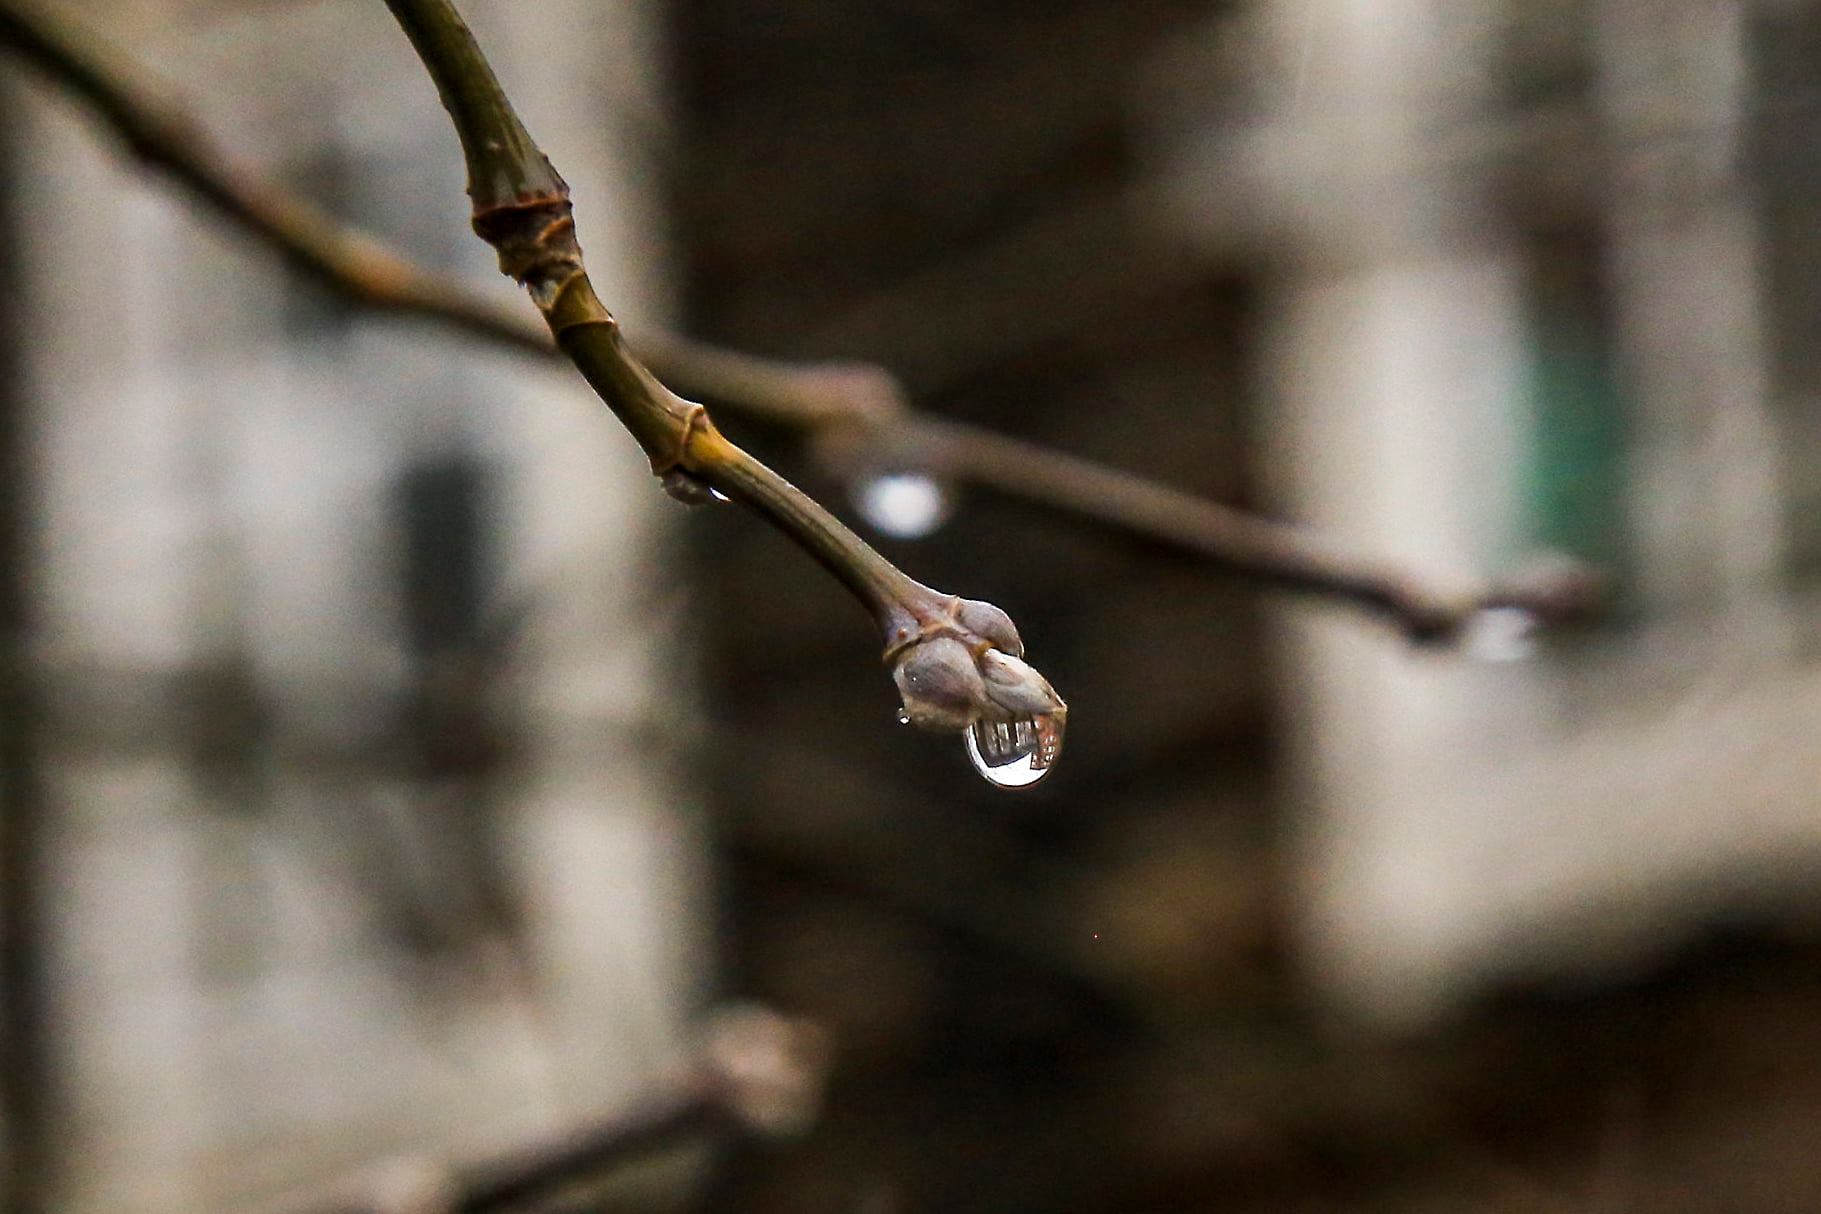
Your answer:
<point x="690" y="489"/>
<point x="1501" y="634"/>
<point x="904" y="505"/>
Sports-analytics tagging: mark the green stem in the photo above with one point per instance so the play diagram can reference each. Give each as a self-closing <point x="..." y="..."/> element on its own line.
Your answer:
<point x="505" y="165"/>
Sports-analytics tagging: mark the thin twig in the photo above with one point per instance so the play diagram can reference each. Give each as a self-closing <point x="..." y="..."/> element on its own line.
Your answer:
<point x="756" y="1073"/>
<point x="862" y="407"/>
<point x="956" y="662"/>
<point x="310" y="239"/>
<point x="1258" y="548"/>
<point x="525" y="1177"/>
<point x="365" y="271"/>
<point x="546" y="1168"/>
<point x="522" y="208"/>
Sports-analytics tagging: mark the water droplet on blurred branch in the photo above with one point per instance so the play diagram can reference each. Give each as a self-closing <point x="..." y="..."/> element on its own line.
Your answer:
<point x="1501" y="634"/>
<point x="904" y="505"/>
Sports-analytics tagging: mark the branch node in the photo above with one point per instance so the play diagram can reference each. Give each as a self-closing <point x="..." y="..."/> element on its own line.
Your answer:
<point x="535" y="239"/>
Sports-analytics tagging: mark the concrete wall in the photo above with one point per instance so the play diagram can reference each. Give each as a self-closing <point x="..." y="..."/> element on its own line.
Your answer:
<point x="299" y="930"/>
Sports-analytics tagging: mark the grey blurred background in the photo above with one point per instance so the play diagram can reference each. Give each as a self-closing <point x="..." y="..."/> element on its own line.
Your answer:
<point x="391" y="774"/>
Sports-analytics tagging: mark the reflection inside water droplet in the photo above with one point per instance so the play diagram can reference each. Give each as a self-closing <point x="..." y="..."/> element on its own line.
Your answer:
<point x="906" y="505"/>
<point x="718" y="495"/>
<point x="1501" y="634"/>
<point x="1015" y="754"/>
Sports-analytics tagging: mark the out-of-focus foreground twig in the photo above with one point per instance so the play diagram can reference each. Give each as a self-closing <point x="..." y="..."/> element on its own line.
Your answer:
<point x="755" y="1073"/>
<point x="860" y="409"/>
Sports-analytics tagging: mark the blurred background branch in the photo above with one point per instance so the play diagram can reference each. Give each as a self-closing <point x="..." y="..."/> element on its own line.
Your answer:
<point x="756" y="1073"/>
<point x="857" y="412"/>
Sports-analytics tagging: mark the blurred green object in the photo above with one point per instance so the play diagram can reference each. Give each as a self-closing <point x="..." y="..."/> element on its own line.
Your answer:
<point x="1575" y="483"/>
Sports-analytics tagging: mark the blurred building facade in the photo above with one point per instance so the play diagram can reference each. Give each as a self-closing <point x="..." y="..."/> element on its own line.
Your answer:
<point x="1528" y="286"/>
<point x="362" y="830"/>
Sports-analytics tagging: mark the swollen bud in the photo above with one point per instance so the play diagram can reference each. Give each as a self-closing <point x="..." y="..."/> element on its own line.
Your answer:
<point x="941" y="685"/>
<point x="966" y="674"/>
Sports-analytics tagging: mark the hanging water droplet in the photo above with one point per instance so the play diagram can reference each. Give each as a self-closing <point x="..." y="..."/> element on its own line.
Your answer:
<point x="905" y="505"/>
<point x="903" y="717"/>
<point x="1501" y="634"/>
<point x="1015" y="754"/>
<point x="690" y="489"/>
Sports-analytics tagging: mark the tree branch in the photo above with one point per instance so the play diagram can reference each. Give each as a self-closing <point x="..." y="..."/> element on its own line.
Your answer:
<point x="374" y="277"/>
<point x="862" y="407"/>
<point x="958" y="663"/>
<point x="756" y="1073"/>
